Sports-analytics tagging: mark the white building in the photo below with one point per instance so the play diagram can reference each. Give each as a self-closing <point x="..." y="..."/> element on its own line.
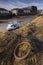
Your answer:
<point x="30" y="10"/>
<point x="4" y="11"/>
<point x="26" y="11"/>
<point x="15" y="11"/>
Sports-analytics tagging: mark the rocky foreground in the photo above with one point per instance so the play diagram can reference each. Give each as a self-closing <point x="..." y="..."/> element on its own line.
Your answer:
<point x="33" y="33"/>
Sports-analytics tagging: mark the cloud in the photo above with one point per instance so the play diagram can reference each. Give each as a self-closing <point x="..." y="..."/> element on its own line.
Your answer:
<point x="10" y="4"/>
<point x="39" y="5"/>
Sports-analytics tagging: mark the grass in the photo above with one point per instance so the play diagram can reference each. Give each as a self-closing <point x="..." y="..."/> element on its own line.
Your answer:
<point x="10" y="39"/>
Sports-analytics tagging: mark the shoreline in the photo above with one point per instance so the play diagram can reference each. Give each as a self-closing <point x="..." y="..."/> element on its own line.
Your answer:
<point x="4" y="20"/>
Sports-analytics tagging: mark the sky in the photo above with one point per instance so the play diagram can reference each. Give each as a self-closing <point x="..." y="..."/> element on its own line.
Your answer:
<point x="10" y="4"/>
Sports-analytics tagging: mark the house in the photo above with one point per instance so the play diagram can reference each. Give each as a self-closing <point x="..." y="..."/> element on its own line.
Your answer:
<point x="24" y="11"/>
<point x="30" y="10"/>
<point x="17" y="11"/>
<point x="5" y="13"/>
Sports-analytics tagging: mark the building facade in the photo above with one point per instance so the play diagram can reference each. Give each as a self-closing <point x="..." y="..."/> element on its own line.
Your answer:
<point x="24" y="11"/>
<point x="5" y="13"/>
<point x="30" y="10"/>
<point x="14" y="11"/>
<point x="17" y="11"/>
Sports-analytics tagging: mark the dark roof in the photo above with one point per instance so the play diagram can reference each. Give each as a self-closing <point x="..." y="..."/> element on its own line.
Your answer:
<point x="25" y="8"/>
<point x="15" y="9"/>
<point x="28" y="8"/>
<point x="2" y="9"/>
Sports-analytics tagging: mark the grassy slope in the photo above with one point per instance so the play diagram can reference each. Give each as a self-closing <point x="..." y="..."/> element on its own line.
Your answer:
<point x="33" y="32"/>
